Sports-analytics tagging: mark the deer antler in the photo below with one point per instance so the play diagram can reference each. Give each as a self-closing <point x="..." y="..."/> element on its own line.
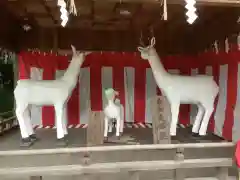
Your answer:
<point x="152" y="40"/>
<point x="141" y="40"/>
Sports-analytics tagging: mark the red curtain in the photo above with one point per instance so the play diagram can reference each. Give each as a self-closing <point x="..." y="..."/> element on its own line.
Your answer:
<point x="118" y="61"/>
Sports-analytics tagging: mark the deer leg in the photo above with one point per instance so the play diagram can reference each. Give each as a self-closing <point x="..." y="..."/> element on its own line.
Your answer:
<point x="208" y="112"/>
<point x="122" y="120"/>
<point x="26" y="141"/>
<point x="175" y="112"/>
<point x="19" y="113"/>
<point x="28" y="122"/>
<point x="59" y="117"/>
<point x="118" y="126"/>
<point x="106" y="121"/>
<point x="110" y="126"/>
<point x="64" y="121"/>
<point x="197" y="122"/>
<point x="121" y="125"/>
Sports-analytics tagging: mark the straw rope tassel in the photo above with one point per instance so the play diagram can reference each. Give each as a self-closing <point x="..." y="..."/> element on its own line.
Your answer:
<point x="72" y="7"/>
<point x="165" y="10"/>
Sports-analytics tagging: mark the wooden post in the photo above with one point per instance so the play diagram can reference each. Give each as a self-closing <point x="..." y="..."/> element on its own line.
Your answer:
<point x="133" y="175"/>
<point x="179" y="173"/>
<point x="15" y="73"/>
<point x="95" y="128"/>
<point x="222" y="173"/>
<point x="161" y="120"/>
<point x="36" y="178"/>
<point x="55" y="40"/>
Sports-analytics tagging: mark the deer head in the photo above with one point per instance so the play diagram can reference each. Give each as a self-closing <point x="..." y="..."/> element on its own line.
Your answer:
<point x="146" y="52"/>
<point x="79" y="54"/>
<point x="111" y="94"/>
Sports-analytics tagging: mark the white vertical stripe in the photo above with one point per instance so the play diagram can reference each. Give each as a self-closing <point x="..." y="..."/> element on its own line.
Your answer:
<point x="151" y="91"/>
<point x="219" y="116"/>
<point x="36" y="111"/>
<point x="59" y="74"/>
<point x="174" y="71"/>
<point x="107" y="82"/>
<point x="85" y="103"/>
<point x="193" y="107"/>
<point x="129" y="76"/>
<point x="209" y="70"/>
<point x="236" y="123"/>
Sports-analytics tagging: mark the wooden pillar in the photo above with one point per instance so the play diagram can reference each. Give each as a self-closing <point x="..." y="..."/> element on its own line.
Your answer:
<point x="161" y="120"/>
<point x="55" y="40"/>
<point x="41" y="39"/>
<point x="15" y="76"/>
<point x="95" y="128"/>
<point x="179" y="172"/>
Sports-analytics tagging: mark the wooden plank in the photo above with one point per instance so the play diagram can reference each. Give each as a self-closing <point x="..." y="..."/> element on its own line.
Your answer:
<point x="115" y="148"/>
<point x="115" y="167"/>
<point x="95" y="128"/>
<point x="161" y="120"/>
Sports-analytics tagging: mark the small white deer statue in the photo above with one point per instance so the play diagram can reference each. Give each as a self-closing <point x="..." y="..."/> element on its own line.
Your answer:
<point x="113" y="110"/>
<point x="200" y="90"/>
<point x="47" y="92"/>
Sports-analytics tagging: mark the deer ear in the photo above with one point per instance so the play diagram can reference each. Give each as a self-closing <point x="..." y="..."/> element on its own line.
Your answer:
<point x="73" y="49"/>
<point x="153" y="40"/>
<point x="140" y="49"/>
<point x="87" y="53"/>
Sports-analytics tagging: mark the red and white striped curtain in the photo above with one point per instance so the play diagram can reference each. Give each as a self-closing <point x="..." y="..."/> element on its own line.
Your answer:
<point x="132" y="77"/>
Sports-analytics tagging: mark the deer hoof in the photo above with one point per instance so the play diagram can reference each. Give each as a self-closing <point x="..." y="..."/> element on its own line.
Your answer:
<point x="34" y="138"/>
<point x="26" y="142"/>
<point x="62" y="142"/>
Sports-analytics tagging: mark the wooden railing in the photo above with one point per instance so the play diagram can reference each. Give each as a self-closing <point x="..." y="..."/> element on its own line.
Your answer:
<point x="87" y="165"/>
<point x="7" y="121"/>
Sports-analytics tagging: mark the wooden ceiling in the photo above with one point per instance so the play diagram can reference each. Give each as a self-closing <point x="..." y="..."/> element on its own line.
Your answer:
<point x="109" y="14"/>
<point x="217" y="19"/>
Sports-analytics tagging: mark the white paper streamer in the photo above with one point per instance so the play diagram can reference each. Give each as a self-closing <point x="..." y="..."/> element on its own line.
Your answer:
<point x="216" y="47"/>
<point x="238" y="41"/>
<point x="226" y="45"/>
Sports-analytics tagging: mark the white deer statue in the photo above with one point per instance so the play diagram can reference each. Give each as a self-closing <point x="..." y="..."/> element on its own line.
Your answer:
<point x="200" y="90"/>
<point x="113" y="110"/>
<point x="47" y="92"/>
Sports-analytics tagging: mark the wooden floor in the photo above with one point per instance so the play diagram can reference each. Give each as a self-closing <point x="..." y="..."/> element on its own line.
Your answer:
<point x="77" y="138"/>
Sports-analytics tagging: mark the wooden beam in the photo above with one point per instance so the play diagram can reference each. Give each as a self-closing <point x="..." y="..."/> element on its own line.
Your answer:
<point x="55" y="22"/>
<point x="116" y="148"/>
<point x="201" y="2"/>
<point x="115" y="167"/>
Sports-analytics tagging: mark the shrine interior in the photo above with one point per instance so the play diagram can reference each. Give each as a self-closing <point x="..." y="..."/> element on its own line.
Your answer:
<point x="117" y="25"/>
